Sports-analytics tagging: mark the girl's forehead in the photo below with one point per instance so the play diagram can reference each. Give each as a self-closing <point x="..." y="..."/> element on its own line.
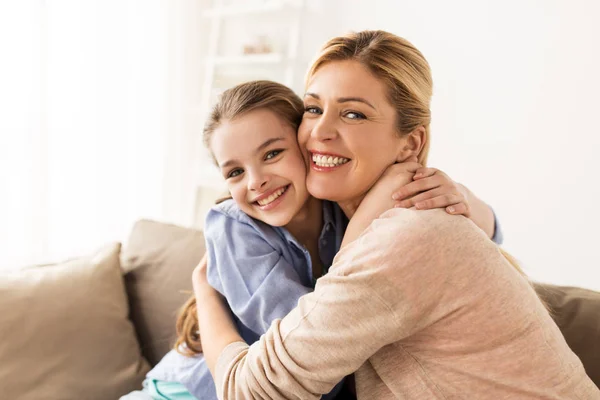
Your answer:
<point x="245" y="135"/>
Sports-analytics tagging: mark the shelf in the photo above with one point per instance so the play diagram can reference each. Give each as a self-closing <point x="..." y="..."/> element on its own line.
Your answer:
<point x="269" y="58"/>
<point x="245" y="9"/>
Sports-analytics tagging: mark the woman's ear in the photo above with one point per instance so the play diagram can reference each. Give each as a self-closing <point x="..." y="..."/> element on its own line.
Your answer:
<point x="412" y="144"/>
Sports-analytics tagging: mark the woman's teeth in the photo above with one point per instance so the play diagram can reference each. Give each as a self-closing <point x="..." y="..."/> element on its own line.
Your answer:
<point x="272" y="197"/>
<point x="328" y="161"/>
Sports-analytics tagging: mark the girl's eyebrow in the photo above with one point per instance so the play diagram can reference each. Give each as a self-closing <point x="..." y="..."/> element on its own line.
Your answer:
<point x="344" y="99"/>
<point x="265" y="144"/>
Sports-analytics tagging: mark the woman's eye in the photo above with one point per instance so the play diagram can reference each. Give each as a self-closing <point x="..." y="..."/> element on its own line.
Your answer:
<point x="312" y="110"/>
<point x="234" y="173"/>
<point x="354" y="115"/>
<point x="273" y="153"/>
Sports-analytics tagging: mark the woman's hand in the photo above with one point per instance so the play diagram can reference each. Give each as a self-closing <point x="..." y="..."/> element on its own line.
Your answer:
<point x="431" y="188"/>
<point x="200" y="282"/>
<point x="217" y="329"/>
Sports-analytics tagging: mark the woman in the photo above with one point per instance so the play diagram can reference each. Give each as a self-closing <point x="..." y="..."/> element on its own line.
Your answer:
<point x="420" y="304"/>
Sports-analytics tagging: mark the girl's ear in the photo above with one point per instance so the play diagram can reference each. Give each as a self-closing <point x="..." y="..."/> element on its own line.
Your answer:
<point x="412" y="144"/>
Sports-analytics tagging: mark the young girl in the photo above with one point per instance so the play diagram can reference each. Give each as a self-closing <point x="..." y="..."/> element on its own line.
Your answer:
<point x="268" y="244"/>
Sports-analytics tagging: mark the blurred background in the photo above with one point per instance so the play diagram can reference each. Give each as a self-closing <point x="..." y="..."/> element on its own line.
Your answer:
<point x="102" y="106"/>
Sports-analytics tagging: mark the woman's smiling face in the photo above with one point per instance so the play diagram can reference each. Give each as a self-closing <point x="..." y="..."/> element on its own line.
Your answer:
<point x="348" y="131"/>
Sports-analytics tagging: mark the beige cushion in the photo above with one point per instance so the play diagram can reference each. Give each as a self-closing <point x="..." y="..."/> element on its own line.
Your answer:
<point x="576" y="311"/>
<point x="159" y="259"/>
<point x="64" y="331"/>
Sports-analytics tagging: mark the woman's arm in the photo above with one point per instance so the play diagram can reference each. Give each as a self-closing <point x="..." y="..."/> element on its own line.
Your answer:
<point x="373" y="296"/>
<point x="217" y="329"/>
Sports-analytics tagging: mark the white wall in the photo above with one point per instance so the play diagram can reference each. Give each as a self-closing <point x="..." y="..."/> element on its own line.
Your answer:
<point x="515" y="115"/>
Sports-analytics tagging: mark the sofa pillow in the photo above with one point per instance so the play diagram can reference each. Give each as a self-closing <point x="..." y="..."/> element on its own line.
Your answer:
<point x="159" y="259"/>
<point x="65" y="332"/>
<point x="576" y="311"/>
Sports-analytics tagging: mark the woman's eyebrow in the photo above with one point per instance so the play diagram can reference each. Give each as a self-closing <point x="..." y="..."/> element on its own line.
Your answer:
<point x="344" y="99"/>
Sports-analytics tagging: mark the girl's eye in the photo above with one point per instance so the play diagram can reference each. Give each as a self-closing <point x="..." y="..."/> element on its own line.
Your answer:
<point x="272" y="154"/>
<point x="234" y="173"/>
<point x="312" y="110"/>
<point x="354" y="115"/>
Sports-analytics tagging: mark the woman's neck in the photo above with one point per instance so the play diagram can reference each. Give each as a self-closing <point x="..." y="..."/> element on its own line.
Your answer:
<point x="349" y="207"/>
<point x="307" y="223"/>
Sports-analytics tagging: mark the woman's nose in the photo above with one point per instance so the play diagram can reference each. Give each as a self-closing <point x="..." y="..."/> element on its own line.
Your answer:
<point x="324" y="129"/>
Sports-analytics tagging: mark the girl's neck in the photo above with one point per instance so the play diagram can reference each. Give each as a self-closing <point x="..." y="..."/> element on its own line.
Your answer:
<point x="307" y="223"/>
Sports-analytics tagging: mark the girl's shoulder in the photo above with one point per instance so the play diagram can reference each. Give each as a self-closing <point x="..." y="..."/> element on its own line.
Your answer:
<point x="228" y="222"/>
<point x="229" y="209"/>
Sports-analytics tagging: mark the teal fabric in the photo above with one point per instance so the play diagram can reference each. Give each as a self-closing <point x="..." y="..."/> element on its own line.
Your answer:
<point x="163" y="390"/>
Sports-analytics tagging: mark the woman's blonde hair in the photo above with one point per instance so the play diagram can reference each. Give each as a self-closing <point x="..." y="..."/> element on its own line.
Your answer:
<point x="398" y="64"/>
<point x="232" y="104"/>
<point x="403" y="70"/>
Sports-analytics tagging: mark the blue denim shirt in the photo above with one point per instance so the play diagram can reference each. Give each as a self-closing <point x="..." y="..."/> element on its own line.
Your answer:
<point x="262" y="271"/>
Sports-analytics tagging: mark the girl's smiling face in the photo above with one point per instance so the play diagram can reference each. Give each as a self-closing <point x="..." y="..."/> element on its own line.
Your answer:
<point x="259" y="157"/>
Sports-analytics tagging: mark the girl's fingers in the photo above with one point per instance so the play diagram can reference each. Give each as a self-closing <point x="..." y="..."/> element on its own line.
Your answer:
<point x="442" y="201"/>
<point x="416" y="187"/>
<point x="407" y="203"/>
<point x="424" y="173"/>
<point x="458" y="209"/>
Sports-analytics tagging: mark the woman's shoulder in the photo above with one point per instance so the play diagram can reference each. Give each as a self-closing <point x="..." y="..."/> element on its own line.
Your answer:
<point x="415" y="223"/>
<point x="407" y="231"/>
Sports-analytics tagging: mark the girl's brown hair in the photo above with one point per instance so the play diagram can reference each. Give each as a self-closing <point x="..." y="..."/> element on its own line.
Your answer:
<point x="232" y="104"/>
<point x="398" y="64"/>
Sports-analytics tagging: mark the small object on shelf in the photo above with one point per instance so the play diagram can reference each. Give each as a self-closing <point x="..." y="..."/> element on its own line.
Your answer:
<point x="268" y="58"/>
<point x="259" y="45"/>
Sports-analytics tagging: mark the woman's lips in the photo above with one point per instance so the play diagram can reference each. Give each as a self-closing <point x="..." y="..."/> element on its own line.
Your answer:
<point x="325" y="162"/>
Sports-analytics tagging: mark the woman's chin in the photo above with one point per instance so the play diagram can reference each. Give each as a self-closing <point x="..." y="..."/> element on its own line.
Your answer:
<point x="332" y="191"/>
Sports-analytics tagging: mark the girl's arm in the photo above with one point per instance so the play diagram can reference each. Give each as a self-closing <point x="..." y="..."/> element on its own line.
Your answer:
<point x="432" y="188"/>
<point x="437" y="191"/>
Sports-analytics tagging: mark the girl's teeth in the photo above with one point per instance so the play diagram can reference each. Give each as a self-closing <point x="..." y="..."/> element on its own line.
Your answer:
<point x="271" y="198"/>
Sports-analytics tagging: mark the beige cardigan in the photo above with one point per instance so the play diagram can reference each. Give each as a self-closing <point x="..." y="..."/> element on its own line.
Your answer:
<point x="422" y="306"/>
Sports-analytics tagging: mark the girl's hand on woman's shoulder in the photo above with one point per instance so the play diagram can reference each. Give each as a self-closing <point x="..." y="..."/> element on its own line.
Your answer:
<point x="379" y="198"/>
<point x="432" y="188"/>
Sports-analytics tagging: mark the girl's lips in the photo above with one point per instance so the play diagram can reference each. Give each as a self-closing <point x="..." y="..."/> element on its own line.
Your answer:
<point x="274" y="203"/>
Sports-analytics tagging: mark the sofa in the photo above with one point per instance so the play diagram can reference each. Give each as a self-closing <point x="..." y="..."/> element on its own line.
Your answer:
<point x="91" y="327"/>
